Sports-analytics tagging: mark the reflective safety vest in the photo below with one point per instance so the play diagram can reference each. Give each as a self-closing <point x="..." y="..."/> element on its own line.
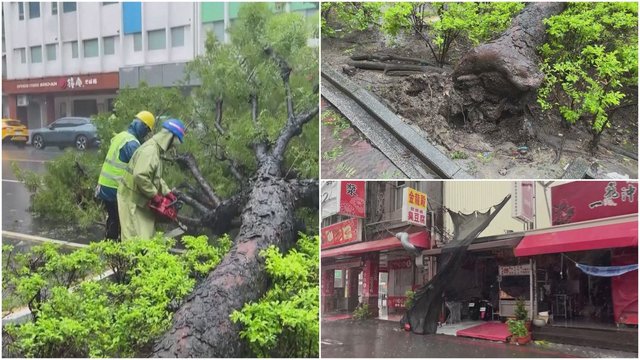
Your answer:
<point x="113" y="168"/>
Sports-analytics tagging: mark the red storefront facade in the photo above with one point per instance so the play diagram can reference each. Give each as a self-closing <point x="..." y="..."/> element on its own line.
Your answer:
<point x="595" y="224"/>
<point x="42" y="100"/>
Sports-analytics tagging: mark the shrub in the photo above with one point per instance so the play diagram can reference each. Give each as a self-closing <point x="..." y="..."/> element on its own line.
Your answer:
<point x="589" y="60"/>
<point x="408" y="302"/>
<point x="362" y="312"/>
<point x="441" y="24"/>
<point x="521" y="312"/>
<point x="284" y="323"/>
<point x="517" y="328"/>
<point x="118" y="317"/>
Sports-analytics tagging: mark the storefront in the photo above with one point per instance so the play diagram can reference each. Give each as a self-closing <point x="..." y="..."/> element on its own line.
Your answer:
<point x="38" y="102"/>
<point x="581" y="263"/>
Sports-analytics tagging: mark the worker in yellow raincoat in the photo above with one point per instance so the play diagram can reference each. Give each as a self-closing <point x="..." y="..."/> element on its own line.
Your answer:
<point x="142" y="184"/>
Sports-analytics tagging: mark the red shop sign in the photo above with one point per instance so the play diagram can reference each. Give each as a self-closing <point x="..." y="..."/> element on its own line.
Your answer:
<point x="400" y="264"/>
<point x="587" y="200"/>
<point x="352" y="198"/>
<point x="341" y="233"/>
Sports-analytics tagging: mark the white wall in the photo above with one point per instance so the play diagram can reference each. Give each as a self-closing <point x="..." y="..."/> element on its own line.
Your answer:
<point x="467" y="196"/>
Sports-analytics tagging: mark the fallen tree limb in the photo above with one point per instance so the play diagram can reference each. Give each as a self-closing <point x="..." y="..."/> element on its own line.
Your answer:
<point x="386" y="58"/>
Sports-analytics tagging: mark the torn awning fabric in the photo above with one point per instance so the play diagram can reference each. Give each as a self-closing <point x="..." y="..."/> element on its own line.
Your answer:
<point x="423" y="315"/>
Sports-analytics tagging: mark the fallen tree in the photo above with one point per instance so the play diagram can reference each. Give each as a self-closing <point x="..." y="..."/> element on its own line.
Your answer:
<point x="503" y="75"/>
<point x="268" y="197"/>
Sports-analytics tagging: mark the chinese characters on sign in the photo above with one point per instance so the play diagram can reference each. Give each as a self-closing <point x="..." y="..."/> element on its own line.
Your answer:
<point x="515" y="270"/>
<point x="414" y="206"/>
<point x="523" y="195"/>
<point x="588" y="200"/>
<point x="77" y="82"/>
<point x="611" y="194"/>
<point x="352" y="198"/>
<point x="341" y="233"/>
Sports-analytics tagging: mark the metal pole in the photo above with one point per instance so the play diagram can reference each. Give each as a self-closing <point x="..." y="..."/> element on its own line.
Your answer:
<point x="531" y="283"/>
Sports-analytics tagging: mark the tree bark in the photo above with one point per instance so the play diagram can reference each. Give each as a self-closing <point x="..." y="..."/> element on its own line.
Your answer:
<point x="501" y="75"/>
<point x="201" y="327"/>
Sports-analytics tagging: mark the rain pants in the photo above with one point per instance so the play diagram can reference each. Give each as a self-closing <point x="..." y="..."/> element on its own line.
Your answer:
<point x="141" y="181"/>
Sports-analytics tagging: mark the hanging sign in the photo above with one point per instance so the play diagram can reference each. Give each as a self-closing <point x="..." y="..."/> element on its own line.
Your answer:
<point x="414" y="206"/>
<point x="341" y="233"/>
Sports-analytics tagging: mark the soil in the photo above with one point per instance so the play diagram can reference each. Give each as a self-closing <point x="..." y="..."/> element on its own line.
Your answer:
<point x="518" y="146"/>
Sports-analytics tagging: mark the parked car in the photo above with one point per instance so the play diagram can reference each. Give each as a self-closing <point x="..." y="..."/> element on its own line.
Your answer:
<point x="67" y="131"/>
<point x="14" y="131"/>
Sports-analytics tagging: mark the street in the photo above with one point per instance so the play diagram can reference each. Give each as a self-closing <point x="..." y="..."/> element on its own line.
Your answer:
<point x="379" y="338"/>
<point x="16" y="199"/>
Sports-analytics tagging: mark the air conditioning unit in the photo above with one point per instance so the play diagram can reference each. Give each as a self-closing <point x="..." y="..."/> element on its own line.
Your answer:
<point x="23" y="100"/>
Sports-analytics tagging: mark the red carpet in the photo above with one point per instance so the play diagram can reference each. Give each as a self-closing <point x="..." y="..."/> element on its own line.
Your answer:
<point x="488" y="331"/>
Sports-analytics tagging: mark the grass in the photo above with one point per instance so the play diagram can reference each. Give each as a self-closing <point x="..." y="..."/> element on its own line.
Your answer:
<point x="345" y="170"/>
<point x="339" y="122"/>
<point x="333" y="153"/>
<point x="456" y="155"/>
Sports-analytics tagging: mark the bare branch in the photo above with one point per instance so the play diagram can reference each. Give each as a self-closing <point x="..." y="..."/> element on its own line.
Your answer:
<point x="259" y="147"/>
<point x="218" y="120"/>
<point x="188" y="161"/>
<point x="291" y="129"/>
<point x="191" y="201"/>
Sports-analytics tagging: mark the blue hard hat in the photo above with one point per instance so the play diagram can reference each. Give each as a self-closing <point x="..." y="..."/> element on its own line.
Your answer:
<point x="176" y="127"/>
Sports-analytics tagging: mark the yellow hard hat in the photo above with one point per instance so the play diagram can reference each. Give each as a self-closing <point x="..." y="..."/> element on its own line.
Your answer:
<point x="147" y="118"/>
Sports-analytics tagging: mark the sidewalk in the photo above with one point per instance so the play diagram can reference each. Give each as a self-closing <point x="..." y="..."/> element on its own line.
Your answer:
<point x="379" y="338"/>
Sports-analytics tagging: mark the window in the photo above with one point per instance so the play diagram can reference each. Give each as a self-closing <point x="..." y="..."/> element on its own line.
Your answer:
<point x="51" y="52"/>
<point x="68" y="7"/>
<point x="74" y="49"/>
<point x="109" y="45"/>
<point x="20" y="11"/>
<point x="137" y="42"/>
<point x="36" y="54"/>
<point x="54" y="8"/>
<point x="34" y="10"/>
<point x="21" y="53"/>
<point x="156" y="40"/>
<point x="177" y="36"/>
<point x="90" y="48"/>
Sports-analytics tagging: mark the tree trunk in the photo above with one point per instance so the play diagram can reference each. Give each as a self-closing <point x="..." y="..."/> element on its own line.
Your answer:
<point x="201" y="327"/>
<point x="503" y="74"/>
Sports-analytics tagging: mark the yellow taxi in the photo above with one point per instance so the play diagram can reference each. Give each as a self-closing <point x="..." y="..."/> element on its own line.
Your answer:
<point x="14" y="131"/>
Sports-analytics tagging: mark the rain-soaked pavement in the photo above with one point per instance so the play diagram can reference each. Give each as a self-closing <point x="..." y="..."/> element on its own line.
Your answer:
<point x="16" y="199"/>
<point x="380" y="338"/>
<point x="346" y="154"/>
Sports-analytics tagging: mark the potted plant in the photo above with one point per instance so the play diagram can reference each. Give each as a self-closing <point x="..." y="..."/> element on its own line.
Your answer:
<point x="521" y="313"/>
<point x="519" y="333"/>
<point x="408" y="301"/>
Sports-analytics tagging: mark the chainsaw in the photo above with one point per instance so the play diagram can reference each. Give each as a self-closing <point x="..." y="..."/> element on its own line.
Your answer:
<point x="167" y="211"/>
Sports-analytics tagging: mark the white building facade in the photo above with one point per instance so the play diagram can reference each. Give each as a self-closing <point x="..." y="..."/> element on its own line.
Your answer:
<point x="70" y="58"/>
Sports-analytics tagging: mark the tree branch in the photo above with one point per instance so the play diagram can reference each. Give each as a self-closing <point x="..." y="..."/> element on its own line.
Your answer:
<point x="218" y="119"/>
<point x="291" y="129"/>
<point x="306" y="191"/>
<point x="259" y="147"/>
<point x="189" y="162"/>
<point x="191" y="201"/>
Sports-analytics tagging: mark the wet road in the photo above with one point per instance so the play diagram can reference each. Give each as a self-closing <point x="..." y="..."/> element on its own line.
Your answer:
<point x="346" y="154"/>
<point x="15" y="197"/>
<point x="378" y="338"/>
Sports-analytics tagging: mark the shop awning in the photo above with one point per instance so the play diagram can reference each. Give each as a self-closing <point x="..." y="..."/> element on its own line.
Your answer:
<point x="505" y="241"/>
<point x="419" y="239"/>
<point x="580" y="237"/>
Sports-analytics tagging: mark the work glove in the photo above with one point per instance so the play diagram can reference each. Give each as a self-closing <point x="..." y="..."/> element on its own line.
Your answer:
<point x="171" y="196"/>
<point x="156" y="200"/>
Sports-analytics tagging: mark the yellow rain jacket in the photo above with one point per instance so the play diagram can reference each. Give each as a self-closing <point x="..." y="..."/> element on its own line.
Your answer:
<point x="141" y="181"/>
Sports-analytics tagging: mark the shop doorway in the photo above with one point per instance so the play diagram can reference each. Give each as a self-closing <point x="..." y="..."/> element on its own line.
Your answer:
<point x="574" y="298"/>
